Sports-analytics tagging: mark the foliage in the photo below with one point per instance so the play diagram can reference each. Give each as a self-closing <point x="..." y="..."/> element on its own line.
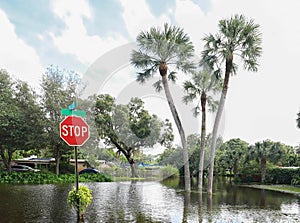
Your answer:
<point x="130" y="127"/>
<point x="83" y="197"/>
<point x="282" y="175"/>
<point x="232" y="154"/>
<point x="169" y="46"/>
<point x="20" y="118"/>
<point x="202" y="86"/>
<point x="169" y="171"/>
<point x="296" y="180"/>
<point x="59" y="88"/>
<point x="48" y="178"/>
<point x="237" y="36"/>
<point x="171" y="156"/>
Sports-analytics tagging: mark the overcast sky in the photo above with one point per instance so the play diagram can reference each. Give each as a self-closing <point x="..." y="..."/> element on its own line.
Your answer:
<point x="80" y="35"/>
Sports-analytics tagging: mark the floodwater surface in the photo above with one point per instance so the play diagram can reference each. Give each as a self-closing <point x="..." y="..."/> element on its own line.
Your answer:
<point x="147" y="202"/>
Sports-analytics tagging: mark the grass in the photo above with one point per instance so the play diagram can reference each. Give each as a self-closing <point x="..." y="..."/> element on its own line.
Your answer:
<point x="280" y="188"/>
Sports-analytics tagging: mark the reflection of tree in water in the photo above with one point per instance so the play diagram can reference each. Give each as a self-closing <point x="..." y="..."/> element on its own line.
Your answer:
<point x="186" y="206"/>
<point x="262" y="198"/>
<point x="126" y="206"/>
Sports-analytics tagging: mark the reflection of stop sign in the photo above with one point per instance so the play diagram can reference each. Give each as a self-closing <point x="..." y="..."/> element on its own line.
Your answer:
<point x="74" y="131"/>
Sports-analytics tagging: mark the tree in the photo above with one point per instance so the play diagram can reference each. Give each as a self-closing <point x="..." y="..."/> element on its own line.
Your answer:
<point x="263" y="151"/>
<point x="233" y="154"/>
<point x="236" y="37"/>
<point x="59" y="88"/>
<point x="129" y="127"/>
<point x="159" y="50"/>
<point x="20" y="118"/>
<point x="202" y="86"/>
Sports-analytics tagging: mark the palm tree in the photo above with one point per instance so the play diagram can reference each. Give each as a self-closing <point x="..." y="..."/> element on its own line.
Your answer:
<point x="263" y="151"/>
<point x="202" y="85"/>
<point x="161" y="50"/>
<point x="236" y="37"/>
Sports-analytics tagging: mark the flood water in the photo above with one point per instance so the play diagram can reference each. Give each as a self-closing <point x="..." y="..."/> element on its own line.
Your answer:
<point x="147" y="202"/>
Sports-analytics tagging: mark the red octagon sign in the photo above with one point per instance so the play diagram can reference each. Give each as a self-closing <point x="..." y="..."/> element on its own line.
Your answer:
<point x="74" y="131"/>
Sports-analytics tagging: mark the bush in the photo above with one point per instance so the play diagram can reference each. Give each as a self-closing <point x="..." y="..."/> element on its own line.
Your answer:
<point x="281" y="176"/>
<point x="296" y="181"/>
<point x="81" y="200"/>
<point x="169" y="171"/>
<point x="48" y="178"/>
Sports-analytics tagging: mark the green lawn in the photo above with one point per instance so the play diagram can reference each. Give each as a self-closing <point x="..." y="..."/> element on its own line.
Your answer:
<point x="281" y="188"/>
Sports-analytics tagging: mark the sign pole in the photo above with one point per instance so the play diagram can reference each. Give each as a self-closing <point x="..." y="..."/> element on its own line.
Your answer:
<point x="76" y="180"/>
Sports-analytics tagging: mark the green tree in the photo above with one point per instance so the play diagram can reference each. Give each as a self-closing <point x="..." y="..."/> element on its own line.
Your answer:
<point x="263" y="151"/>
<point x="233" y="153"/>
<point x="203" y="86"/>
<point x="20" y="118"/>
<point x="128" y="127"/>
<point x="59" y="88"/>
<point x="159" y="50"/>
<point x="237" y="37"/>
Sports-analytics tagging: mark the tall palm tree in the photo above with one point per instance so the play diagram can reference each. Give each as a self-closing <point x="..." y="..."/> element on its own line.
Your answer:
<point x="161" y="50"/>
<point x="237" y="37"/>
<point x="202" y="86"/>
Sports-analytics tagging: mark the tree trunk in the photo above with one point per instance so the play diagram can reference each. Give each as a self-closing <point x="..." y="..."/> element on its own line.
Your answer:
<point x="57" y="160"/>
<point x="6" y="160"/>
<point x="202" y="143"/>
<point x="216" y="125"/>
<point x="263" y="163"/>
<point x="133" y="170"/>
<point x="187" y="177"/>
<point x="235" y="169"/>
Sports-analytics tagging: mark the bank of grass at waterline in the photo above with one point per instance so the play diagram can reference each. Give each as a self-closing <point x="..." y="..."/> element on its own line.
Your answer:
<point x="49" y="178"/>
<point x="280" y="188"/>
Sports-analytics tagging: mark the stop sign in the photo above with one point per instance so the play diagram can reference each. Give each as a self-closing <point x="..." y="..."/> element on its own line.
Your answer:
<point x="74" y="131"/>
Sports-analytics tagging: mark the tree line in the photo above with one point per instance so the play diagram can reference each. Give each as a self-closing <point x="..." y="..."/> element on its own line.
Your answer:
<point x="30" y="121"/>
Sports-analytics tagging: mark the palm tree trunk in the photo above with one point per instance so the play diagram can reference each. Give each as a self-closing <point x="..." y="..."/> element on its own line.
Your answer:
<point x="263" y="163"/>
<point x="187" y="178"/>
<point x="216" y="125"/>
<point x="202" y="143"/>
<point x="235" y="169"/>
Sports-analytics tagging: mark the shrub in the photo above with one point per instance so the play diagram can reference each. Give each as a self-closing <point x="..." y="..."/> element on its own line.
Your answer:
<point x="48" y="178"/>
<point x="281" y="175"/>
<point x="296" y="181"/>
<point x="169" y="171"/>
<point x="81" y="200"/>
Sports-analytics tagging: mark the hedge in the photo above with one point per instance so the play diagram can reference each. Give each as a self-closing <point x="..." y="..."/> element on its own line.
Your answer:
<point x="48" y="178"/>
<point x="281" y="176"/>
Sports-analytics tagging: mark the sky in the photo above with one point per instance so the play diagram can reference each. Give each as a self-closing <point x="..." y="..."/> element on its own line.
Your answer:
<point x="95" y="38"/>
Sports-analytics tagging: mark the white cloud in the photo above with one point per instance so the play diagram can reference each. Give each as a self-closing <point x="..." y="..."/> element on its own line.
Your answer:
<point x="18" y="58"/>
<point x="138" y="17"/>
<point x="74" y="39"/>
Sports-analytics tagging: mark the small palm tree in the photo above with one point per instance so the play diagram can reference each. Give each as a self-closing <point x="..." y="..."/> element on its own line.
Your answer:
<point x="202" y="86"/>
<point x="160" y="50"/>
<point x="237" y="37"/>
